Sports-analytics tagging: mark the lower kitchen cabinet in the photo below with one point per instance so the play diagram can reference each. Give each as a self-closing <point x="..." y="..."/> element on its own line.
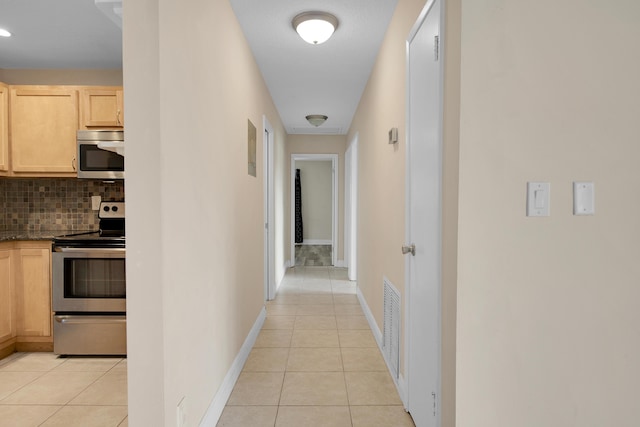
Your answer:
<point x="7" y="306"/>
<point x="27" y="268"/>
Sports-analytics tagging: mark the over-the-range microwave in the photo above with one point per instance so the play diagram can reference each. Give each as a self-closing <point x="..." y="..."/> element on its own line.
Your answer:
<point x="100" y="154"/>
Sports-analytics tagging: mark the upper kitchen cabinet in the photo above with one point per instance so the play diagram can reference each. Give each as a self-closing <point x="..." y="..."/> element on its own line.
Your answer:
<point x="43" y="123"/>
<point x="4" y="129"/>
<point x="102" y="107"/>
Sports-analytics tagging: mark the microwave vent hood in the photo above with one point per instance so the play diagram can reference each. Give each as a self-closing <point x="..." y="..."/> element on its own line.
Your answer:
<point x="115" y="146"/>
<point x="106" y="139"/>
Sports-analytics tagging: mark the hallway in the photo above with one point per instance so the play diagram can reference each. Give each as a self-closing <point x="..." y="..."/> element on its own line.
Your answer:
<point x="315" y="362"/>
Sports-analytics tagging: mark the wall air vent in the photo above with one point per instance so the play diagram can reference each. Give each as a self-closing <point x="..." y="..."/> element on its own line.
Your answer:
<point x="391" y="334"/>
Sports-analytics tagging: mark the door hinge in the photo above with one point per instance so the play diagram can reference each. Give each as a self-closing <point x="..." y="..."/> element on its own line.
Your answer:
<point x="433" y="394"/>
<point x="436" y="47"/>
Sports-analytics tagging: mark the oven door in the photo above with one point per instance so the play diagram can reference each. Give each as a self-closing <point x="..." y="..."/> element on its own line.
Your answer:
<point x="88" y="280"/>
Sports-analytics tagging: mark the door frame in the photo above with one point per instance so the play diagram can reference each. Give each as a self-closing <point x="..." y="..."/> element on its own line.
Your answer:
<point x="334" y="201"/>
<point x="269" y="232"/>
<point x="415" y="316"/>
<point x="351" y="209"/>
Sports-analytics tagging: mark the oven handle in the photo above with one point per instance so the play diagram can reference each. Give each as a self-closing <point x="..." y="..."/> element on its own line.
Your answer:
<point x="89" y="319"/>
<point x="106" y="250"/>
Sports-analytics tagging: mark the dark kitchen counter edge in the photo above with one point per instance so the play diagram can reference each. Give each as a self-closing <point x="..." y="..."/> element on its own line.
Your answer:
<point x="11" y="236"/>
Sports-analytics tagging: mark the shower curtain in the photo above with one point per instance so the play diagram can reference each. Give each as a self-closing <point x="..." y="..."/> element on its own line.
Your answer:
<point x="298" y="208"/>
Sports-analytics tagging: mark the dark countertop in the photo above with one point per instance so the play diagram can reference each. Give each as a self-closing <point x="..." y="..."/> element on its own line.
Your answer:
<point x="9" y="236"/>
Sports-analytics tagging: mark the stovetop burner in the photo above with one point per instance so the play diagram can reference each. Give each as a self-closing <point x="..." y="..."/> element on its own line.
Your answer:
<point x="110" y="234"/>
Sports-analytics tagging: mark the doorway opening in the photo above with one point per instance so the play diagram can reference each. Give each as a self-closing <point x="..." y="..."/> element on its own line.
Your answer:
<point x="314" y="209"/>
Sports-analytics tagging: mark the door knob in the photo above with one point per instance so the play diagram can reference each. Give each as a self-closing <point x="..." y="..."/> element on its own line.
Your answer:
<point x="409" y="249"/>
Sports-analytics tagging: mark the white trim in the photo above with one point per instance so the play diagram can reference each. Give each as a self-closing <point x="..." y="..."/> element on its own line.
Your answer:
<point x="401" y="384"/>
<point x="334" y="217"/>
<point x="269" y="211"/>
<point x="315" y="242"/>
<point x="351" y="208"/>
<point x="216" y="407"/>
<point x="341" y="263"/>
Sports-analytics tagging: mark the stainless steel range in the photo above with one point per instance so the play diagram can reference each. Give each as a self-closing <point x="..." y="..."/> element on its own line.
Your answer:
<point x="89" y="288"/>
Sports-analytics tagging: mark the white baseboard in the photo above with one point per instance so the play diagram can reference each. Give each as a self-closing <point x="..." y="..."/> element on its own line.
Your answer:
<point x="216" y="407"/>
<point x="340" y="263"/>
<point x="315" y="242"/>
<point x="400" y="383"/>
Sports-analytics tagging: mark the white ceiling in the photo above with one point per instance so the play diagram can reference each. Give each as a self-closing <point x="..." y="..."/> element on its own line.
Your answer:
<point x="315" y="79"/>
<point x="58" y="34"/>
<point x="302" y="78"/>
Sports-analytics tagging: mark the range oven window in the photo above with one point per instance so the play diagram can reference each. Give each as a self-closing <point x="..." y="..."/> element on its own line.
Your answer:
<point x="94" y="278"/>
<point x="93" y="158"/>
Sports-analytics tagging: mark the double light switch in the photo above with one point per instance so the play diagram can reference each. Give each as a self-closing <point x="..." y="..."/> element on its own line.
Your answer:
<point x="538" y="198"/>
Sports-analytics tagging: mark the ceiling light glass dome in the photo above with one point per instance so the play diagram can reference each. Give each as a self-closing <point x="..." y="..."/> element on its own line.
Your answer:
<point x="315" y="27"/>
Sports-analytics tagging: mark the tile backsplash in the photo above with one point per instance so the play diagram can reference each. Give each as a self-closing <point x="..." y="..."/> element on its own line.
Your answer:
<point x="59" y="204"/>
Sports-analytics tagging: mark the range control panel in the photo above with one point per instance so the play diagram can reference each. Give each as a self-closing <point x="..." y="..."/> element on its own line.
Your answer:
<point x="111" y="210"/>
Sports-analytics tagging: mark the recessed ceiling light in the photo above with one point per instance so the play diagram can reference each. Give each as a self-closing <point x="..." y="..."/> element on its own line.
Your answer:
<point x="4" y="33"/>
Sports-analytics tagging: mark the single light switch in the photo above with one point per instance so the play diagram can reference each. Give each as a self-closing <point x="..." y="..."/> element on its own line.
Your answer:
<point x="538" y="199"/>
<point x="583" y="198"/>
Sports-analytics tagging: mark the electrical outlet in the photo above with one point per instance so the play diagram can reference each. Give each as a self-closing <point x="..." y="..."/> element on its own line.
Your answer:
<point x="95" y="202"/>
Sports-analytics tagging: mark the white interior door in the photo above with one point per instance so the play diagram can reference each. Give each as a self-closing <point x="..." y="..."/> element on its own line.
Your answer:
<point x="424" y="195"/>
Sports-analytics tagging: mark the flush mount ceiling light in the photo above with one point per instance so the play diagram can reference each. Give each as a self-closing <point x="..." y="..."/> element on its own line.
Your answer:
<point x="4" y="33"/>
<point x="315" y="27"/>
<point x="316" y="119"/>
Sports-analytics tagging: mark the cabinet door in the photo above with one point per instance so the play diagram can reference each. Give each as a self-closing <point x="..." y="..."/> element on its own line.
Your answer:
<point x="4" y="129"/>
<point x="33" y="291"/>
<point x="102" y="107"/>
<point x="7" y="312"/>
<point x="44" y="121"/>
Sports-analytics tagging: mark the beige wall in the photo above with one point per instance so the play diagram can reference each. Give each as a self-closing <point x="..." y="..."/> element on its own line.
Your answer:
<point x="317" y="144"/>
<point x="61" y="77"/>
<point x="381" y="180"/>
<point x="548" y="307"/>
<point x="316" y="189"/>
<point x="194" y="292"/>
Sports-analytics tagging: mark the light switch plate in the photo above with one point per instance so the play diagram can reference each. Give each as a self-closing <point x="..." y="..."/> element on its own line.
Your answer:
<point x="583" y="198"/>
<point x="538" y="198"/>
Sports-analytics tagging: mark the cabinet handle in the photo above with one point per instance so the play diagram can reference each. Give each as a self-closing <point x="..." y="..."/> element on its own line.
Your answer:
<point x="118" y="118"/>
<point x="73" y="164"/>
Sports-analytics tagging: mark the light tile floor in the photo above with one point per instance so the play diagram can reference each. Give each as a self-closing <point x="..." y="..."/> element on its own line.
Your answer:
<point x="315" y="362"/>
<point x="42" y="389"/>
